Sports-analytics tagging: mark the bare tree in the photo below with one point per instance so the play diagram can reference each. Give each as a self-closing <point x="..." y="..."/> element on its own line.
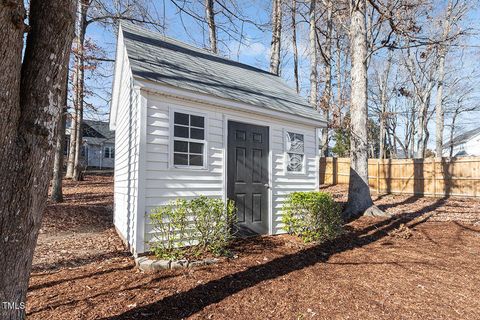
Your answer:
<point x="421" y="65"/>
<point x="327" y="60"/>
<point x="313" y="54"/>
<point x="359" y="199"/>
<point x="212" y="29"/>
<point x="455" y="11"/>
<point x="383" y="87"/>
<point x="57" y="191"/>
<point x="79" y="86"/>
<point x="107" y="13"/>
<point x="32" y="100"/>
<point x="460" y="99"/>
<point x="294" y="44"/>
<point x="276" y="37"/>
<point x="73" y="165"/>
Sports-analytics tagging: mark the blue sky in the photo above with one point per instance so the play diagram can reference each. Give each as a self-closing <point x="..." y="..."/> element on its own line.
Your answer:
<point x="254" y="50"/>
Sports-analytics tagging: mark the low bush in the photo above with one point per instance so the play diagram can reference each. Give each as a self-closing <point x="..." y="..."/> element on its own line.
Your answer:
<point x="312" y="216"/>
<point x="195" y="227"/>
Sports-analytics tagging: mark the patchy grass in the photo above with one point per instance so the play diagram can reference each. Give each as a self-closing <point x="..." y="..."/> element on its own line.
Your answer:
<point x="423" y="263"/>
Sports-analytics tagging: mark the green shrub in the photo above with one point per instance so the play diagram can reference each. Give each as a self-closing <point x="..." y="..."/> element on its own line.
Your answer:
<point x="170" y="224"/>
<point x="213" y="222"/>
<point x="312" y="216"/>
<point x="192" y="227"/>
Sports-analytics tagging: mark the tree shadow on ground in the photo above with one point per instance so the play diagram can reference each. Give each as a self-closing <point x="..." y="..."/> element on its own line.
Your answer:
<point x="95" y="274"/>
<point x="107" y="291"/>
<point x="77" y="262"/>
<point x="187" y="303"/>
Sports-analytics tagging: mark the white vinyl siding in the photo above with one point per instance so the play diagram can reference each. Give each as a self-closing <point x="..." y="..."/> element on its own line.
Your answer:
<point x="285" y="182"/>
<point x="127" y="149"/>
<point x="164" y="183"/>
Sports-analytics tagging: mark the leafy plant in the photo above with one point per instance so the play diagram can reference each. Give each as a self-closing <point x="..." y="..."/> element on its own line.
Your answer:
<point x="192" y="227"/>
<point x="312" y="216"/>
<point x="213" y="222"/>
<point x="170" y="223"/>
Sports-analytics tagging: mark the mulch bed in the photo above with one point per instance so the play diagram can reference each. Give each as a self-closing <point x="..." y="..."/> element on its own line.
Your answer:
<point x="424" y="263"/>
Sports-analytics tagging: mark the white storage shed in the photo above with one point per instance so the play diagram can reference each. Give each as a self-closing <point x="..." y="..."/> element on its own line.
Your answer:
<point x="190" y="123"/>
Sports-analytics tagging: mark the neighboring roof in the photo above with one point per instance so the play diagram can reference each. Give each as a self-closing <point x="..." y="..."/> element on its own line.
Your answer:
<point x="95" y="132"/>
<point x="463" y="138"/>
<point x="155" y="57"/>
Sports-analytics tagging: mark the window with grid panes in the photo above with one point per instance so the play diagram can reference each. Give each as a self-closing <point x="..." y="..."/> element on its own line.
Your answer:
<point x="188" y="140"/>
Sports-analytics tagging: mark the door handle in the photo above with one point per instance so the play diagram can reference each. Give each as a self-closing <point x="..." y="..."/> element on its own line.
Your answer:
<point x="266" y="185"/>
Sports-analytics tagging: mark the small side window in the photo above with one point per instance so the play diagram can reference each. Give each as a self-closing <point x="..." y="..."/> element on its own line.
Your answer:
<point x="295" y="151"/>
<point x="188" y="140"/>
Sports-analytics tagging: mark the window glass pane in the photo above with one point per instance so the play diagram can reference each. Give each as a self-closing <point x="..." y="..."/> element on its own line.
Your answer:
<point x="196" y="121"/>
<point x="294" y="162"/>
<point x="181" y="132"/>
<point x="106" y="153"/>
<point x="197" y="133"/>
<point x="112" y="153"/>
<point x="181" y="118"/>
<point x="196" y="147"/>
<point x="295" y="142"/>
<point x="180" y="159"/>
<point x="196" y="160"/>
<point x="180" y="146"/>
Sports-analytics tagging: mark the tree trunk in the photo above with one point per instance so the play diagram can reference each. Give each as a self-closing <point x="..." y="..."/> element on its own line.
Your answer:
<point x="57" y="193"/>
<point x="212" y="29"/>
<point x="32" y="100"/>
<point x="452" y="132"/>
<point x="359" y="199"/>
<point x="439" y="110"/>
<point x="313" y="56"/>
<point x="73" y="132"/>
<point x="294" y="45"/>
<point x="276" y="37"/>
<point x="80" y="87"/>
<point x="422" y="124"/>
<point x="337" y="113"/>
<point x="327" y="92"/>
<point x="384" y="105"/>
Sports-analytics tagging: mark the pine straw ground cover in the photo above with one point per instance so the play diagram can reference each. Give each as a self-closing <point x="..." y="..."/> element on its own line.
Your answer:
<point x="419" y="265"/>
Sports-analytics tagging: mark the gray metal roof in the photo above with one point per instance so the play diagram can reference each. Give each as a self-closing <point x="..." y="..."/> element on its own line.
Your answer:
<point x="155" y="57"/>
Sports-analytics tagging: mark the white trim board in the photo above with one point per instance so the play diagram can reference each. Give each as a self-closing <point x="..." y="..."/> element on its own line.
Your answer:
<point x="170" y="91"/>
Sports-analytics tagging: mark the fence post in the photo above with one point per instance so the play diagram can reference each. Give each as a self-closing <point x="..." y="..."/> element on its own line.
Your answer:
<point x="378" y="177"/>
<point x="434" y="178"/>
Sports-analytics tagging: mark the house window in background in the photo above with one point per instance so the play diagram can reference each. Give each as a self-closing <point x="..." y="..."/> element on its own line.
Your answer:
<point x="189" y="140"/>
<point x="294" y="151"/>
<point x="109" y="152"/>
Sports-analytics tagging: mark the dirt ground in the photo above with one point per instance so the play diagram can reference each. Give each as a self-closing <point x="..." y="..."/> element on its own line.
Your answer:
<point x="422" y="264"/>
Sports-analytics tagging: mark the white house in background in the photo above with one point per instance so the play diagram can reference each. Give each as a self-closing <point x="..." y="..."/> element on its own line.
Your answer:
<point x="190" y="123"/>
<point x="464" y="145"/>
<point x="98" y="144"/>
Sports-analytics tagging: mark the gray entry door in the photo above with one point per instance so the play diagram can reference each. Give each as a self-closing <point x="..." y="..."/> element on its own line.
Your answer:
<point x="247" y="176"/>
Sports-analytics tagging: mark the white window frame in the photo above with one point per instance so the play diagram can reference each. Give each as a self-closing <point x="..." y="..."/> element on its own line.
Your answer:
<point x="110" y="149"/>
<point x="286" y="152"/>
<point x="172" y="139"/>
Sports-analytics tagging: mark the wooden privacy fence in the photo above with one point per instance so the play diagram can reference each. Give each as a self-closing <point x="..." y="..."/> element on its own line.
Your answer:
<point x="437" y="177"/>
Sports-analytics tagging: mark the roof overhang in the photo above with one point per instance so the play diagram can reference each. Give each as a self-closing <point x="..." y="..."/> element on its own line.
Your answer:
<point x="193" y="96"/>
